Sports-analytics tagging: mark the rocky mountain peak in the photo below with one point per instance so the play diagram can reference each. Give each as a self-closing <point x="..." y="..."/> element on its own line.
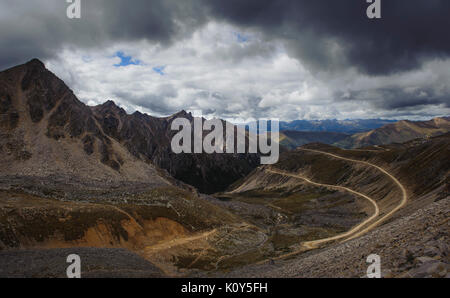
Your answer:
<point x="109" y="104"/>
<point x="35" y="63"/>
<point x="182" y="114"/>
<point x="109" y="107"/>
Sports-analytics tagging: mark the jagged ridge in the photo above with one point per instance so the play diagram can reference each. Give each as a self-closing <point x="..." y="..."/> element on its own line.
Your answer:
<point x="105" y="132"/>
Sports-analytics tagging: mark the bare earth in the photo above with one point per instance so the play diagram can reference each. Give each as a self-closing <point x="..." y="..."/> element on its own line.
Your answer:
<point x="414" y="246"/>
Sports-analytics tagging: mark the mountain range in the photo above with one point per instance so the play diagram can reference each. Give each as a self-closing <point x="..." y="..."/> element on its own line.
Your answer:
<point x="348" y="126"/>
<point x="47" y="130"/>
<point x="398" y="132"/>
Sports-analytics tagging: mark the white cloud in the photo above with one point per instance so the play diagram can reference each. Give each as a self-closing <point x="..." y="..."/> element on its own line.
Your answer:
<point x="213" y="71"/>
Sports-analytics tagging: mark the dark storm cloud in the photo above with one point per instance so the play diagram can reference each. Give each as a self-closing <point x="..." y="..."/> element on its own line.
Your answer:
<point x="40" y="28"/>
<point x="333" y="34"/>
<point x="327" y="35"/>
<point x="236" y="54"/>
<point x="398" y="98"/>
<point x="153" y="20"/>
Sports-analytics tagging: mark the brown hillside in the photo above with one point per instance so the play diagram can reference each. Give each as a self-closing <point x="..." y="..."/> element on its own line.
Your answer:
<point x="398" y="132"/>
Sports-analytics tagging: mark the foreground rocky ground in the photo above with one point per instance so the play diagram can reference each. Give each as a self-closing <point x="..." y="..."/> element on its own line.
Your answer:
<point x="95" y="263"/>
<point x="415" y="246"/>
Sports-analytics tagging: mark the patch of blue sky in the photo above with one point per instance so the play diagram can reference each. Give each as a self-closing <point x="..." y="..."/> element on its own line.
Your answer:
<point x="126" y="60"/>
<point x="241" y="38"/>
<point x="159" y="70"/>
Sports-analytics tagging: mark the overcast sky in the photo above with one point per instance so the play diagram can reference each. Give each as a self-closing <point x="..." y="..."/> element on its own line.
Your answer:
<point x="242" y="59"/>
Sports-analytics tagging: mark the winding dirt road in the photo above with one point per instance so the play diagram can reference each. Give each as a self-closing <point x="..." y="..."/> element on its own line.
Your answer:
<point x="357" y="230"/>
<point x="362" y="228"/>
<point x="315" y="243"/>
<point x="402" y="203"/>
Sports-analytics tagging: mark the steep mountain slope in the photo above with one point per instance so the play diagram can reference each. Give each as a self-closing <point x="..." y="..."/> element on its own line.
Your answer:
<point x="47" y="130"/>
<point x="411" y="240"/>
<point x="393" y="181"/>
<point x="399" y="132"/>
<point x="149" y="138"/>
<point x="79" y="176"/>
<point x="421" y="165"/>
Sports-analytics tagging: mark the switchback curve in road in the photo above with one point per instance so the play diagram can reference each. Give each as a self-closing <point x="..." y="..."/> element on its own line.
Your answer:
<point x="402" y="203"/>
<point x="315" y="243"/>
